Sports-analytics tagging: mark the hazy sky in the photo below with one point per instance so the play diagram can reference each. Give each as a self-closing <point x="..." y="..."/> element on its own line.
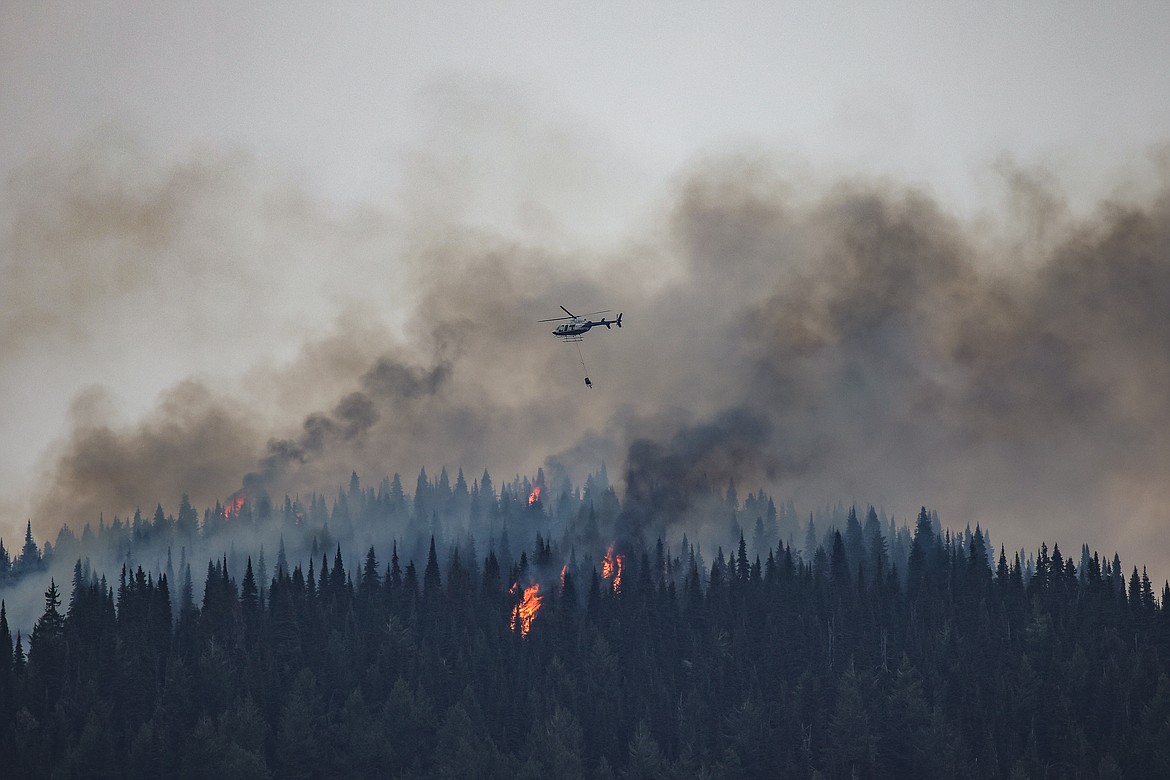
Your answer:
<point x="213" y="190"/>
<point x="927" y="91"/>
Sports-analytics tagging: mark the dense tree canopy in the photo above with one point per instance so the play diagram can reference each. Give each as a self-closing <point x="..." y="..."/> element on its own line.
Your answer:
<point x="877" y="653"/>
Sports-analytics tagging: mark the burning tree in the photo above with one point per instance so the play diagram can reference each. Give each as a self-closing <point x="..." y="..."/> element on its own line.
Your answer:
<point x="611" y="568"/>
<point x="525" y="612"/>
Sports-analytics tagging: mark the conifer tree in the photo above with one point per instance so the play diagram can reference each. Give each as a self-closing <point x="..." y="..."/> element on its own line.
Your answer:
<point x="30" y="556"/>
<point x="371" y="579"/>
<point x="810" y="540"/>
<point x="921" y="565"/>
<point x="395" y="571"/>
<point x="876" y="550"/>
<point x="46" y="646"/>
<point x="432" y="583"/>
<point x="742" y="567"/>
<point x="337" y="577"/>
<point x="282" y="569"/>
<point x="249" y="594"/>
<point x="410" y="582"/>
<point x="159" y="526"/>
<point x="5" y="646"/>
<point x="491" y="574"/>
<point x="854" y="539"/>
<point x="839" y="574"/>
<point x="187" y="592"/>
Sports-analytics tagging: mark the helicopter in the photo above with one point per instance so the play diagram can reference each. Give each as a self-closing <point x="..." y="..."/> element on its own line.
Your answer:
<point x="574" y="327"/>
<point x="577" y="326"/>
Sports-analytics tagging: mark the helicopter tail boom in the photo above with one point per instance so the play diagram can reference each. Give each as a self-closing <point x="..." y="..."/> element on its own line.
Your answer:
<point x="608" y="323"/>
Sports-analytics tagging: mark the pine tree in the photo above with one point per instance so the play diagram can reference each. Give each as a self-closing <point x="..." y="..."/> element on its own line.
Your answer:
<point x="187" y="593"/>
<point x="839" y="568"/>
<point x="922" y="562"/>
<point x="422" y="498"/>
<point x="5" y="649"/>
<point x="742" y="568"/>
<point x="261" y="574"/>
<point x="79" y="585"/>
<point x="432" y="583"/>
<point x="249" y="594"/>
<point x="371" y="579"/>
<point x="810" y="540"/>
<point x="876" y="551"/>
<point x="46" y="647"/>
<point x="410" y="582"/>
<point x="159" y="525"/>
<point x="337" y="577"/>
<point x="1148" y="601"/>
<point x="395" y="571"/>
<point x="854" y="538"/>
<point x="30" y="556"/>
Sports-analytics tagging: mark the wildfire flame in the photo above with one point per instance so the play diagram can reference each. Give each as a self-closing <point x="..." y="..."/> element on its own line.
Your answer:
<point x="534" y="496"/>
<point x="564" y="569"/>
<point x="234" y="504"/>
<point x="611" y="568"/>
<point x="524" y="612"/>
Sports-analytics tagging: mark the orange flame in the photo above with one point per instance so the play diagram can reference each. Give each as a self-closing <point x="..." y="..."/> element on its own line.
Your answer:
<point x="611" y="568"/>
<point x="564" y="569"/>
<point x="524" y="612"/>
<point x="235" y="504"/>
<point x="534" y="496"/>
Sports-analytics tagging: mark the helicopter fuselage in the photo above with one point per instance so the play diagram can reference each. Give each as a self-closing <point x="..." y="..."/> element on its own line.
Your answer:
<point x="573" y="327"/>
<point x="576" y="327"/>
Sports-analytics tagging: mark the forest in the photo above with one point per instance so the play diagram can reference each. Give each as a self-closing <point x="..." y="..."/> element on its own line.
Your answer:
<point x="544" y="630"/>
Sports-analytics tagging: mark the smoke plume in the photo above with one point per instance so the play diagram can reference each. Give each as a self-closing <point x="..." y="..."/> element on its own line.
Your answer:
<point x="852" y="342"/>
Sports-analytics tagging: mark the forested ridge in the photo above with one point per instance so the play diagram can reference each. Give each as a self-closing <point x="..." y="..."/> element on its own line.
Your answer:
<point x="870" y="650"/>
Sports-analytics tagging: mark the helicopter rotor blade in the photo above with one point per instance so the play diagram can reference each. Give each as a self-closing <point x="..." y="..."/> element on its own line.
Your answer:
<point x="590" y="314"/>
<point x="566" y="311"/>
<point x="556" y="319"/>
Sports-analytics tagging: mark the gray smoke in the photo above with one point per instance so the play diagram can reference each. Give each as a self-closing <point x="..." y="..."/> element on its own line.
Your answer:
<point x="679" y="483"/>
<point x="193" y="442"/>
<point x="853" y="343"/>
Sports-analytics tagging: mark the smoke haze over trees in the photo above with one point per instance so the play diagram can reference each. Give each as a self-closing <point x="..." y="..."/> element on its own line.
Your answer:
<point x="377" y="633"/>
<point x="876" y="344"/>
